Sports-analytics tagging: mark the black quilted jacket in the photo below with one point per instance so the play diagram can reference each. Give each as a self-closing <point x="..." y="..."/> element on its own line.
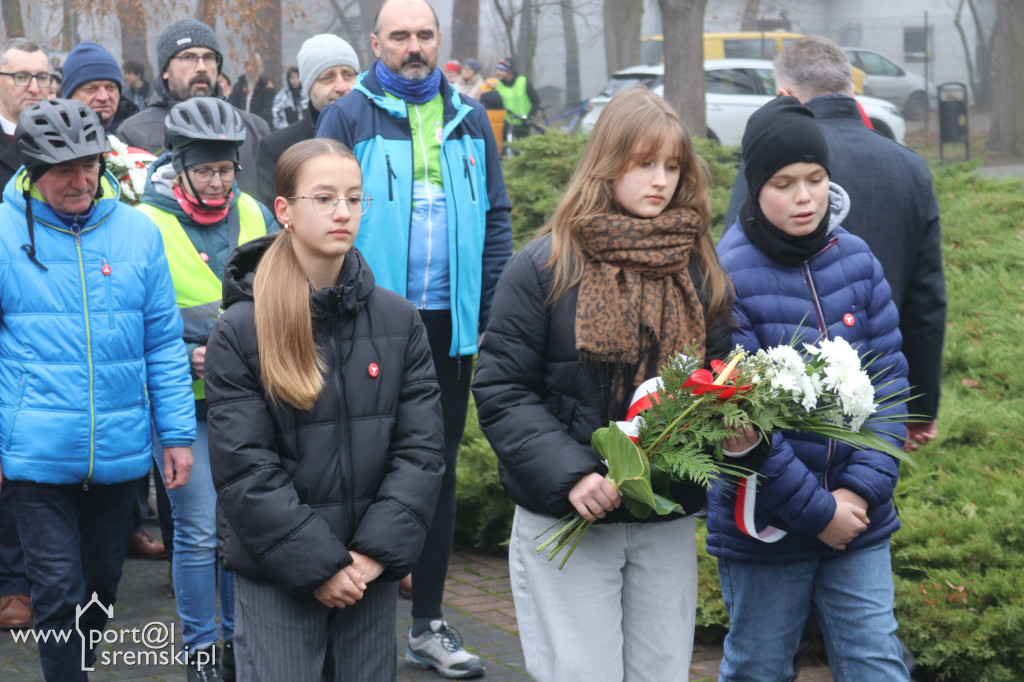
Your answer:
<point x="361" y="471"/>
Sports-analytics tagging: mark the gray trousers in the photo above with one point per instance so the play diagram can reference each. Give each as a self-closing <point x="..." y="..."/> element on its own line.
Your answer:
<point x="278" y="637"/>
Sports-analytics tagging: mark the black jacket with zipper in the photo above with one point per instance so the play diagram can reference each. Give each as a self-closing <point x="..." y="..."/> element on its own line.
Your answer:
<point x="538" y="404"/>
<point x="361" y="471"/>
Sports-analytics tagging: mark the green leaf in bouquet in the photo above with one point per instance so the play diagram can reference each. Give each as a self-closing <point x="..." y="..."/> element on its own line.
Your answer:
<point x="630" y="472"/>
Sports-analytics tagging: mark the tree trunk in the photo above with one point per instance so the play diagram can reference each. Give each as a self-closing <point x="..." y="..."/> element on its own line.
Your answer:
<point x="572" y="55"/>
<point x="465" y="29"/>
<point x="622" y="46"/>
<point x="507" y="15"/>
<point x="69" y="31"/>
<point x="206" y="12"/>
<point x="683" y="22"/>
<point x="268" y="40"/>
<point x="983" y="61"/>
<point x="1007" y="132"/>
<point x="13" y="25"/>
<point x="367" y="12"/>
<point x="750" y="11"/>
<point x="527" y="40"/>
<point x="133" y="33"/>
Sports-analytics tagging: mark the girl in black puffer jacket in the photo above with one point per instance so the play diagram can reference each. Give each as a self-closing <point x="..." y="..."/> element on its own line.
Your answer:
<point x="325" y="434"/>
<point x="622" y="277"/>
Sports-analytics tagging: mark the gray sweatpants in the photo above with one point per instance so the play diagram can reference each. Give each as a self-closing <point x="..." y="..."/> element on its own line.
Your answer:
<point x="278" y="637"/>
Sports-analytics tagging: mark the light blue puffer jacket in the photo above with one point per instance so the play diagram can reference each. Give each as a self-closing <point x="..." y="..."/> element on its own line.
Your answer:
<point x="87" y="353"/>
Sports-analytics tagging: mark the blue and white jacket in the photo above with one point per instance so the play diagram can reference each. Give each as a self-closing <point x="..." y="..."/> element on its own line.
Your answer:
<point x="376" y="127"/>
<point x="90" y="348"/>
<point x="838" y="292"/>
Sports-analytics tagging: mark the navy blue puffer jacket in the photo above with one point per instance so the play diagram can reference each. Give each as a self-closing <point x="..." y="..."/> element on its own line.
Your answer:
<point x="838" y="292"/>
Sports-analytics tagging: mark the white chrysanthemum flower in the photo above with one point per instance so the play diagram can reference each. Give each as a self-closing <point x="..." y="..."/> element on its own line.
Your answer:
<point x="117" y="146"/>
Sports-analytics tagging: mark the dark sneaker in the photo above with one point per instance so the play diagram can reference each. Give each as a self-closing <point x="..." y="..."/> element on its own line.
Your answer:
<point x="441" y="648"/>
<point x="202" y="666"/>
<point x="227" y="662"/>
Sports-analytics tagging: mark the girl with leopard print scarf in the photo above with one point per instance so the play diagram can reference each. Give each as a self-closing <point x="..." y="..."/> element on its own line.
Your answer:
<point x="623" y="276"/>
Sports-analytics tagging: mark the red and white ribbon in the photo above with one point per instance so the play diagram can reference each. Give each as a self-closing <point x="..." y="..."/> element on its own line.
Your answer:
<point x="746" y="501"/>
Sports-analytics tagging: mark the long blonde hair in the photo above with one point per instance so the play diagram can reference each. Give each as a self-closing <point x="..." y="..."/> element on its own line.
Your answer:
<point x="293" y="371"/>
<point x="635" y="123"/>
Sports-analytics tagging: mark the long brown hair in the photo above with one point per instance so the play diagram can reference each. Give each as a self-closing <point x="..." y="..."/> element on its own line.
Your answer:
<point x="293" y="371"/>
<point x="634" y="123"/>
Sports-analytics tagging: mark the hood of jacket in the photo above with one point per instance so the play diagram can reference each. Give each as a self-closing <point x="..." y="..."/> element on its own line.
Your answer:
<point x="355" y="282"/>
<point x="159" y="190"/>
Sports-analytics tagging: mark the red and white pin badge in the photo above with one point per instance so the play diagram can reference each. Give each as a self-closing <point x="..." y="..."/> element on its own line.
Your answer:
<point x="849" y="319"/>
<point x="373" y="370"/>
<point x="106" y="268"/>
<point x="203" y="256"/>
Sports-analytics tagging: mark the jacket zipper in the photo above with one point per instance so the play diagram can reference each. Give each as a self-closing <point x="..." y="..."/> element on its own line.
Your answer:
<point x="391" y="178"/>
<point x="469" y="178"/>
<point x="76" y="230"/>
<point x="110" y="296"/>
<point x="342" y="432"/>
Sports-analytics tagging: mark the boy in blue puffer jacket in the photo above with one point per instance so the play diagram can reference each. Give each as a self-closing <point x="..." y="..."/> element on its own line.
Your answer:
<point x="823" y="512"/>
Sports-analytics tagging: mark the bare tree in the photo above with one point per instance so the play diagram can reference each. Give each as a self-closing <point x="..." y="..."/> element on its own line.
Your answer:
<point x="572" y="54"/>
<point x="132" y="19"/>
<point x="979" y="62"/>
<point x="751" y="9"/>
<point x="14" y="26"/>
<point x="683" y="27"/>
<point x="526" y="46"/>
<point x="622" y="33"/>
<point x="465" y="29"/>
<point x="1007" y="133"/>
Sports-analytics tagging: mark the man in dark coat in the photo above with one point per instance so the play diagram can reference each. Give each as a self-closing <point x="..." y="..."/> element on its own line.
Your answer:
<point x="17" y="56"/>
<point x="892" y="207"/>
<point x="189" y="58"/>
<point x="328" y="67"/>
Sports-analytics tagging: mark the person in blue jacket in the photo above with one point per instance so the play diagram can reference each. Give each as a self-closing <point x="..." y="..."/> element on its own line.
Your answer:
<point x="90" y="353"/>
<point x="822" y="512"/>
<point x="439" y="234"/>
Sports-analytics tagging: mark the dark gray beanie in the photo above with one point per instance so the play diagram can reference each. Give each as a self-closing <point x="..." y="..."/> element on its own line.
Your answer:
<point x="781" y="132"/>
<point x="182" y="35"/>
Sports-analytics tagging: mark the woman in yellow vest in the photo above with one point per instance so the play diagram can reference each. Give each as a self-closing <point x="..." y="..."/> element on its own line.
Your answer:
<point x="192" y="197"/>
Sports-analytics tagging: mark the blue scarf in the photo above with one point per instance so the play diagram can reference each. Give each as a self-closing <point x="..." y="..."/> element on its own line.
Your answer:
<point x="416" y="92"/>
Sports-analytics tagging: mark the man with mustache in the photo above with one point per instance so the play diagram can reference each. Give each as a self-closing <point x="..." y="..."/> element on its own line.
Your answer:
<point x="189" y="60"/>
<point x="438" y="233"/>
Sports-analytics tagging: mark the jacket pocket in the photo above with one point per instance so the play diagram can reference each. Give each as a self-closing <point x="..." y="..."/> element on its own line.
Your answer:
<point x="20" y="397"/>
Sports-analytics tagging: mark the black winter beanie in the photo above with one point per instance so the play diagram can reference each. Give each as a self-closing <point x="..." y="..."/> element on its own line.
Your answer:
<point x="781" y="132"/>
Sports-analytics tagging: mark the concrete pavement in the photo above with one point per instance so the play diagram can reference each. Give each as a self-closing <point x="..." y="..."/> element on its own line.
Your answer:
<point x="478" y="601"/>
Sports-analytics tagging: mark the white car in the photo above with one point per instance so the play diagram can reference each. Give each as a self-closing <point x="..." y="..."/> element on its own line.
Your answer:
<point x="736" y="88"/>
<point x="887" y="80"/>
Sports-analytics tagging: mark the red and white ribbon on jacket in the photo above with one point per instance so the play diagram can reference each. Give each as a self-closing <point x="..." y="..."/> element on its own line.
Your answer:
<point x="746" y="501"/>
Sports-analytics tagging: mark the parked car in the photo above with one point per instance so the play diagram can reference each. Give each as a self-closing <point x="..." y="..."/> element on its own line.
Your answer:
<point x="887" y="80"/>
<point x="736" y="88"/>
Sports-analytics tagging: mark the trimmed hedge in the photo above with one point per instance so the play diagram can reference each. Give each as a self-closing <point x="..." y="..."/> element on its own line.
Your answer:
<point x="956" y="561"/>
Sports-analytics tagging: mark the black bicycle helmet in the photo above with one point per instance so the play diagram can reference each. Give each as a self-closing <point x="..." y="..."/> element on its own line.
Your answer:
<point x="203" y="119"/>
<point x="58" y="130"/>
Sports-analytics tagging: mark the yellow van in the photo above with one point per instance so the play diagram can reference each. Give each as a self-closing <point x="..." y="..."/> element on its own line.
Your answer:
<point x="746" y="45"/>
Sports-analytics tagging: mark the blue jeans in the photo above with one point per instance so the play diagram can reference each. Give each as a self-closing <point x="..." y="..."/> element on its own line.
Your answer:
<point x="75" y="541"/>
<point x="197" y="573"/>
<point x="12" y="562"/>
<point x="852" y="594"/>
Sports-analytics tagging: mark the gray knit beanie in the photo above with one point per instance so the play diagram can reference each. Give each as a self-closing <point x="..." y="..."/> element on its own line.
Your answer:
<point x="320" y="53"/>
<point x="182" y="35"/>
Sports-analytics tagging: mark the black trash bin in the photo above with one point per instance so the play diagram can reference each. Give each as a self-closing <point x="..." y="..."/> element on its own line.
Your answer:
<point x="953" y="126"/>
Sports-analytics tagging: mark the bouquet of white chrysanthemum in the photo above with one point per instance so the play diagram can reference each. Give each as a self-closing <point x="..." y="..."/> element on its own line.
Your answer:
<point x="130" y="166"/>
<point x="678" y="421"/>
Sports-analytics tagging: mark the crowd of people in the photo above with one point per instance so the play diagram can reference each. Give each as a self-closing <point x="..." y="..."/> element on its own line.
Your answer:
<point x="284" y="327"/>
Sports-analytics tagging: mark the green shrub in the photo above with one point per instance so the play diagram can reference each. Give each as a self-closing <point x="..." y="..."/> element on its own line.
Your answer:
<point x="956" y="560"/>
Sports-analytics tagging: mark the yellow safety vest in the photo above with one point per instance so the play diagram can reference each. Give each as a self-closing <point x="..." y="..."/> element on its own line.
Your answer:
<point x="196" y="287"/>
<point x="515" y="98"/>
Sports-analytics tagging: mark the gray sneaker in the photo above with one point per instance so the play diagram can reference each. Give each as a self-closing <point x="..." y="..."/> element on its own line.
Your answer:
<point x="441" y="648"/>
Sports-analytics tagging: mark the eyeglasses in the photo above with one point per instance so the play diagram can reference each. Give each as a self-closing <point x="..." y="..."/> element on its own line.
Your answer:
<point x="190" y="59"/>
<point x="206" y="174"/>
<point x="326" y="202"/>
<point x="23" y="78"/>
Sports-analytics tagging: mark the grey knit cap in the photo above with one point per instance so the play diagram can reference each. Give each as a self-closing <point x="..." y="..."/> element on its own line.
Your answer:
<point x="182" y="35"/>
<point x="320" y="53"/>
